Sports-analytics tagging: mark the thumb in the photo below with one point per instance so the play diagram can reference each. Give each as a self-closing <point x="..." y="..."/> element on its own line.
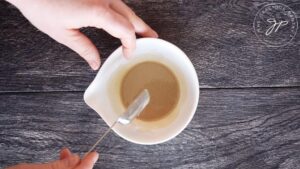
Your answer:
<point x="82" y="45"/>
<point x="88" y="161"/>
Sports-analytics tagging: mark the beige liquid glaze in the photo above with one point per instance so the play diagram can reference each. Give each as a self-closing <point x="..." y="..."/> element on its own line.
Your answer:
<point x="162" y="85"/>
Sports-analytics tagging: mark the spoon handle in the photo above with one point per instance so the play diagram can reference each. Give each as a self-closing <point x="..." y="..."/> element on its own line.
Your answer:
<point x="101" y="138"/>
<point x="133" y="110"/>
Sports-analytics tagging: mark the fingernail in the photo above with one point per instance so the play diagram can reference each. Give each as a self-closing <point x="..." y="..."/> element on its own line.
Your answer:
<point x="95" y="158"/>
<point x="155" y="34"/>
<point x="95" y="65"/>
<point x="127" y="53"/>
<point x="66" y="149"/>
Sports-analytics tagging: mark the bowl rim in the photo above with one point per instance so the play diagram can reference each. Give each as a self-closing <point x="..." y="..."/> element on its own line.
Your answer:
<point x="194" y="105"/>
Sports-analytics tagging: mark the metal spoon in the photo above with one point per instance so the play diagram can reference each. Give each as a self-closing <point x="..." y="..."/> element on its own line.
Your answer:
<point x="133" y="110"/>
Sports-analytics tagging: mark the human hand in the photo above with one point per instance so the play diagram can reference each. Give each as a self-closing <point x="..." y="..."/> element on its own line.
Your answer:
<point x="61" y="20"/>
<point x="67" y="161"/>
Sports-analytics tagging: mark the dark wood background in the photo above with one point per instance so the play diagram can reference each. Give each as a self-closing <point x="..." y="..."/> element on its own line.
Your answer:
<point x="248" y="116"/>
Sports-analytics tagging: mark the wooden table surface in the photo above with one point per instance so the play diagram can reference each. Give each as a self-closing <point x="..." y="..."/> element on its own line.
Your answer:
<point x="248" y="115"/>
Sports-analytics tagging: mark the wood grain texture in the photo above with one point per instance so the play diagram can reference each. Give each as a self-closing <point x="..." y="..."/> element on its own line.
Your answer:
<point x="232" y="128"/>
<point x="217" y="36"/>
<point x="41" y="84"/>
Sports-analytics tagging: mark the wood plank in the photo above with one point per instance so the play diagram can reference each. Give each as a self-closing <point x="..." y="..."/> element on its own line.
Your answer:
<point x="232" y="128"/>
<point x="216" y="35"/>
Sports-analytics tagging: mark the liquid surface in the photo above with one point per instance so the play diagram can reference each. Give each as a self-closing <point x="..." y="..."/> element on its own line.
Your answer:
<point x="162" y="85"/>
